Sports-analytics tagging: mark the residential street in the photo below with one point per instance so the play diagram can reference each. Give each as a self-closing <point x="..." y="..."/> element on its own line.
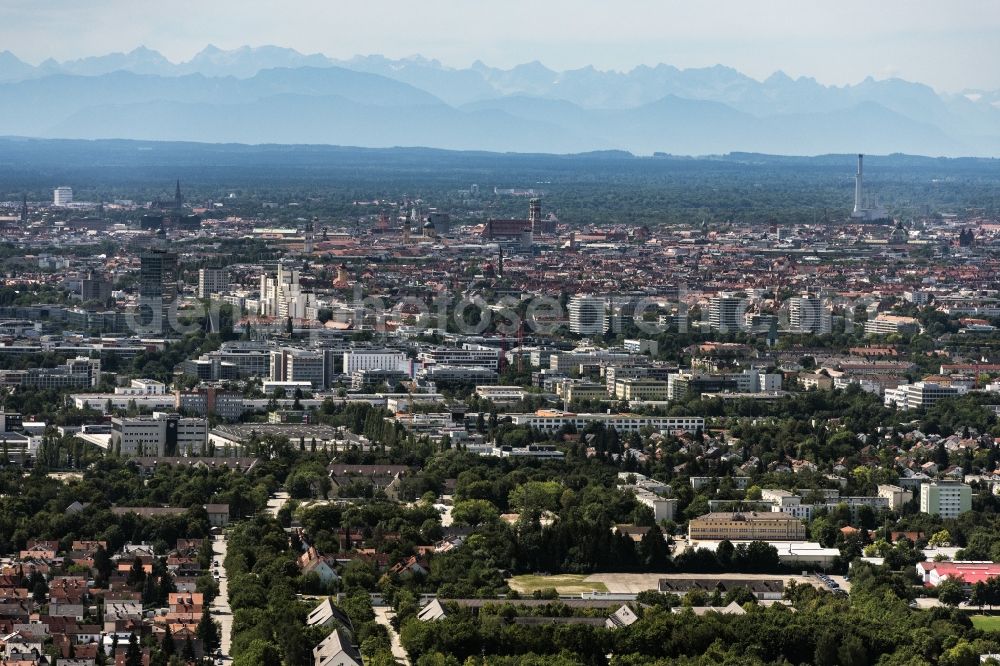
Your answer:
<point x="384" y="615"/>
<point x="444" y="507"/>
<point x="220" y="605"/>
<point x="275" y="502"/>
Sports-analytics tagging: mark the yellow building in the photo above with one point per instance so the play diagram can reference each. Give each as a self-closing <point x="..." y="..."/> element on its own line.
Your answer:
<point x="748" y="526"/>
<point x="640" y="389"/>
<point x="571" y="391"/>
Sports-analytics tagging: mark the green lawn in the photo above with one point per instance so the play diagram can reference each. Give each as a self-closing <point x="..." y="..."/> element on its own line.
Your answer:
<point x="986" y="622"/>
<point x="564" y="584"/>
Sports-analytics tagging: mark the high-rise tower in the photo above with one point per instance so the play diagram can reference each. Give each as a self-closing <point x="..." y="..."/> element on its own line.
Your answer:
<point x="859" y="205"/>
<point x="310" y="234"/>
<point x="157" y="289"/>
<point x="535" y="215"/>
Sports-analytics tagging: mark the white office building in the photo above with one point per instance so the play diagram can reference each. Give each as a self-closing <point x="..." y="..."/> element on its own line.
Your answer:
<point x="552" y="420"/>
<point x="375" y="359"/>
<point x="143" y="394"/>
<point x="472" y="356"/>
<point x="639" y="346"/>
<point x="299" y="365"/>
<point x="501" y="394"/>
<point x="920" y="394"/>
<point x="161" y="434"/>
<point x="62" y="196"/>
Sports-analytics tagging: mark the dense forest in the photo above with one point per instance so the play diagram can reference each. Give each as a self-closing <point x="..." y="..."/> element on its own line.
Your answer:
<point x="599" y="188"/>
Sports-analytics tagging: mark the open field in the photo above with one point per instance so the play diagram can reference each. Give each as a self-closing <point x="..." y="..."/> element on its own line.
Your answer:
<point x="631" y="583"/>
<point x="986" y="622"/>
<point x="563" y="583"/>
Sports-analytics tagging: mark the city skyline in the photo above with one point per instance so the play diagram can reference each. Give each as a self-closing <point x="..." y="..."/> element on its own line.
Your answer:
<point x="939" y="45"/>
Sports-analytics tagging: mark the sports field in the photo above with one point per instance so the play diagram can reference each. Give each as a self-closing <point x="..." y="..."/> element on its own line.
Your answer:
<point x="563" y="583"/>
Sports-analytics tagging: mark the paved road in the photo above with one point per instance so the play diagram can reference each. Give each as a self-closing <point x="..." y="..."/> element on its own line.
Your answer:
<point x="383" y="616"/>
<point x="220" y="605"/>
<point x="275" y="502"/>
<point x="444" y="508"/>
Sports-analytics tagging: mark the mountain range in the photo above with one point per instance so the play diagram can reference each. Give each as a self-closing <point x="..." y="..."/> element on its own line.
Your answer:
<point x="272" y="94"/>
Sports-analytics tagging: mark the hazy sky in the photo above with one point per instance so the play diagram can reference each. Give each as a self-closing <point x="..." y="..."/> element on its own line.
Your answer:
<point x="949" y="44"/>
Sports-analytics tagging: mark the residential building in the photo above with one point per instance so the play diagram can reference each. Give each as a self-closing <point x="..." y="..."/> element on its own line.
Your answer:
<point x="328" y="615"/>
<point x="282" y="296"/>
<point x="212" y="281"/>
<point x="808" y="314"/>
<point x="886" y="324"/>
<point x="725" y="313"/>
<point x="947" y="499"/>
<point x="896" y="495"/>
<point x="336" y="650"/>
<point x="664" y="508"/>
<point x="765" y="589"/>
<point x="588" y="315"/>
<point x="738" y="482"/>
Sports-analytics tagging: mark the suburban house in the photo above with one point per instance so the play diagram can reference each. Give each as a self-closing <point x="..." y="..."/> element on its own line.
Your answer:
<point x="336" y="650"/>
<point x="326" y="615"/>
